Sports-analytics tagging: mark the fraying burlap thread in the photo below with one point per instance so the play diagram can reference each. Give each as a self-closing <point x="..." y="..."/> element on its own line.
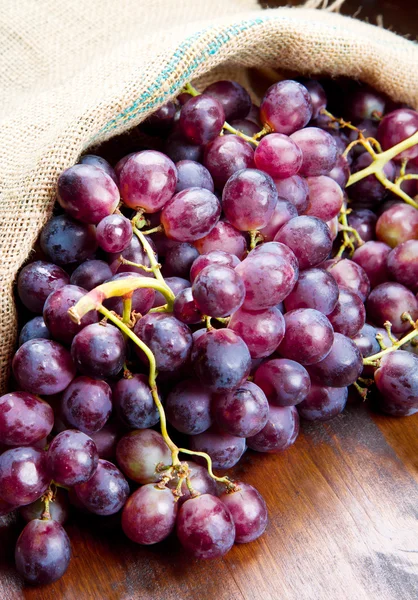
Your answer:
<point x="73" y="75"/>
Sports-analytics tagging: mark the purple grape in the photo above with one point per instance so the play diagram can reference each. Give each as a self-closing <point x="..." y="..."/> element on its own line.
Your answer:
<point x="201" y="119"/>
<point x="72" y="457"/>
<point x="59" y="509"/>
<point x="333" y="226"/>
<point x="349" y="314"/>
<point x="56" y="316"/>
<point x="205" y="527"/>
<point x="372" y="258"/>
<point x="397" y="225"/>
<point x="218" y="291"/>
<point x="24" y="419"/>
<point x="87" y="193"/>
<point x="224" y="449"/>
<point x="364" y="222"/>
<point x="160" y="121"/>
<point x="234" y="99"/>
<point x="286" y="107"/>
<point x="279" y="433"/>
<point x="215" y="257"/>
<point x="185" y="309"/>
<point x="325" y="198"/>
<point x="190" y="214"/>
<point x="65" y="240"/>
<point x="223" y="237"/>
<point x="188" y="407"/>
<point x="366" y="341"/>
<point x="319" y="151"/>
<point x="106" y="492"/>
<point x="317" y="94"/>
<point x="176" y="285"/>
<point x="35" y="328"/>
<point x="242" y="412"/>
<point x="261" y="330"/>
<point x="284" y="382"/>
<point x="192" y="174"/>
<point x="365" y="103"/>
<point x="350" y="276"/>
<point x="86" y="404"/>
<point x="100" y="163"/>
<point x="397" y="126"/>
<point x="283" y="212"/>
<point x="308" y="336"/>
<point x="309" y="238"/>
<point x="149" y="515"/>
<point x="142" y="298"/>
<point x="121" y="163"/>
<point x="341" y="172"/>
<point x="134" y="403"/>
<point x="369" y="191"/>
<point x="24" y="475"/>
<point x="295" y="190"/>
<point x="315" y="288"/>
<point x="278" y="155"/>
<point x="248" y="510"/>
<point x="114" y="233"/>
<point x="90" y="274"/>
<point x="200" y="480"/>
<point x="99" y="350"/>
<point x="248" y="199"/>
<point x="106" y="440"/>
<point x="179" y="260"/>
<point x="402" y="264"/>
<point x="388" y="301"/>
<point x="245" y="126"/>
<point x="43" y="552"/>
<point x="169" y="340"/>
<point x="397" y="381"/>
<point x="221" y="359"/>
<point x="226" y="155"/>
<point x="43" y="367"/>
<point x="140" y="452"/>
<point x="178" y="148"/>
<point x="323" y="403"/>
<point x="148" y="180"/>
<point x="36" y="281"/>
<point x="342" y="365"/>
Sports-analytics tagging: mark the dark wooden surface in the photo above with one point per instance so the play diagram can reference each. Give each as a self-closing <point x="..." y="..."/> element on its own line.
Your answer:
<point x="343" y="506"/>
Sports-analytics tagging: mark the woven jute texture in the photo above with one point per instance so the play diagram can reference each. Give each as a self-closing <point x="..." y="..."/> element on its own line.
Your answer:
<point x="73" y="74"/>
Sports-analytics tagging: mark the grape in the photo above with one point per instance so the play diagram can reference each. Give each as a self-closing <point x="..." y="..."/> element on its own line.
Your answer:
<point x="317" y="94"/>
<point x="100" y="163"/>
<point x="114" y="233"/>
<point x="218" y="291"/>
<point x="99" y="350"/>
<point x="200" y="480"/>
<point x="169" y="340"/>
<point x="268" y="279"/>
<point x="149" y="515"/>
<point x="369" y="191"/>
<point x="148" y="180"/>
<point x="402" y="264"/>
<point x="283" y="212"/>
<point x="397" y="126"/>
<point x="66" y="241"/>
<point x="215" y="257"/>
<point x="205" y="527"/>
<point x="319" y="151"/>
<point x="366" y="341"/>
<point x="90" y="274"/>
<point x="224" y="449"/>
<point x="325" y="198"/>
<point x="134" y="403"/>
<point x="369" y="130"/>
<point x="160" y="121"/>
<point x="35" y="328"/>
<point x="178" y="148"/>
<point x="235" y="99"/>
<point x="286" y="107"/>
<point x="190" y="214"/>
<point x="87" y="193"/>
<point x="341" y="172"/>
<point x="43" y="552"/>
<point x="188" y="407"/>
<point x="72" y="457"/>
<point x="142" y="298"/>
<point x="388" y="301"/>
<point x="24" y="419"/>
<point x="333" y="227"/>
<point x="43" y="367"/>
<point x="349" y="314"/>
<point x="365" y="103"/>
<point x="56" y="316"/>
<point x="192" y="174"/>
<point x="308" y="336"/>
<point x="140" y="452"/>
<point x="279" y="433"/>
<point x="185" y="309"/>
<point x="294" y="189"/>
<point x="278" y="155"/>
<point x="201" y="119"/>
<point x="248" y="510"/>
<point x="223" y="237"/>
<point x="372" y="257"/>
<point x="315" y="288"/>
<point x="363" y="221"/>
<point x="242" y="412"/>
<point x="106" y="440"/>
<point x="248" y="199"/>
<point x="86" y="404"/>
<point x="179" y="260"/>
<point x="261" y="330"/>
<point x="134" y="253"/>
<point x="106" y="492"/>
<point x="323" y="403"/>
<point x="58" y="508"/>
<point x="397" y="381"/>
<point x="309" y="238"/>
<point x="342" y="365"/>
<point x="176" y="285"/>
<point x="24" y="475"/>
<point x="397" y="225"/>
<point x="350" y="276"/>
<point x="245" y="126"/>
<point x="284" y="382"/>
<point x="254" y="115"/>
<point x="36" y="281"/>
<point x="226" y="155"/>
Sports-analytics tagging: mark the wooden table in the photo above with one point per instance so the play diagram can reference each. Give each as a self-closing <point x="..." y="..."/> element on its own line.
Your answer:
<point x="343" y="505"/>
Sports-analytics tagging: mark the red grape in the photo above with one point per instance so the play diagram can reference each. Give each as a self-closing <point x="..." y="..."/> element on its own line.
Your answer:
<point x="192" y="174"/>
<point x="325" y="198"/>
<point x="242" y="412"/>
<point x="36" y="281"/>
<point x="283" y="212"/>
<point x="349" y="275"/>
<point x="134" y="403"/>
<point x="218" y="291"/>
<point x="278" y="155"/>
<point x="99" y="350"/>
<point x="24" y="475"/>
<point x="235" y="99"/>
<point x="294" y="189"/>
<point x="388" y="301"/>
<point x="224" y="449"/>
<point x="72" y="457"/>
<point x="372" y="258"/>
<point x="140" y="452"/>
<point x="223" y="237"/>
<point x="397" y="381"/>
<point x="397" y="126"/>
<point x="349" y="314"/>
<point x="106" y="492"/>
<point x="315" y="288"/>
<point x="190" y="214"/>
<point x="90" y="274"/>
<point x="86" y="404"/>
<point x="188" y="407"/>
<point x="308" y="336"/>
<point x="114" y="233"/>
<point x="286" y="107"/>
<point x="24" y="419"/>
<point x="100" y="163"/>
<point x="35" y="328"/>
<point x="261" y="330"/>
<point x="342" y="365"/>
<point x="319" y="151"/>
<point x="201" y="119"/>
<point x="402" y="264"/>
<point x="397" y="225"/>
<point x="280" y="431"/>
<point x="309" y="238"/>
<point x="285" y="382"/>
<point x="226" y="155"/>
<point x="149" y="515"/>
<point x="248" y="510"/>
<point x="56" y="316"/>
<point x="323" y="403"/>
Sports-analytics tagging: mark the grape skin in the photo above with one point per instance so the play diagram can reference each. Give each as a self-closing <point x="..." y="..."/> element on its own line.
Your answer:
<point x="139" y="452"/>
<point x="106" y="492"/>
<point x="224" y="449"/>
<point x="242" y="412"/>
<point x="279" y="433"/>
<point x="188" y="407"/>
<point x="248" y="510"/>
<point x="36" y="281"/>
<point x="149" y="515"/>
<point x="24" y="475"/>
<point x="323" y="403"/>
<point x="24" y="419"/>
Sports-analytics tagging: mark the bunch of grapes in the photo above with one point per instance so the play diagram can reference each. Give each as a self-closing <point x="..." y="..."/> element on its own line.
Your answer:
<point x="216" y="292"/>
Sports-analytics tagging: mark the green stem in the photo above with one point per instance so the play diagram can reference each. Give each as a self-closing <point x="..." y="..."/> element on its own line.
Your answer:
<point x="127" y="309"/>
<point x="225" y="480"/>
<point x="151" y="257"/>
<point x="373" y="360"/>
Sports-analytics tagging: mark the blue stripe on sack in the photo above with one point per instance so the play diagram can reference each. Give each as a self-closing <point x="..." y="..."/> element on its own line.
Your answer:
<point x="212" y="48"/>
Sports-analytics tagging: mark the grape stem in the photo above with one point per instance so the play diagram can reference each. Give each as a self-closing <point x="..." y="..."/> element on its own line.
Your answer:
<point x="375" y="359"/>
<point x="340" y="122"/>
<point x="127" y="309"/>
<point x="125" y="261"/>
<point x="345" y="228"/>
<point x="225" y="480"/>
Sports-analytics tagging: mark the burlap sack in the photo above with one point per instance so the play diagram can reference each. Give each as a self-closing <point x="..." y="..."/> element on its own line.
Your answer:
<point x="75" y="73"/>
